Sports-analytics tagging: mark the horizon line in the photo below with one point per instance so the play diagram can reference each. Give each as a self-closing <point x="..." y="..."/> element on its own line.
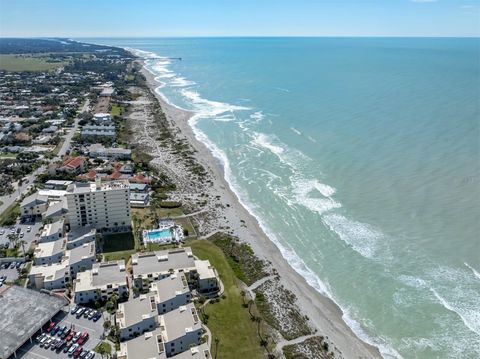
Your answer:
<point x="247" y="36"/>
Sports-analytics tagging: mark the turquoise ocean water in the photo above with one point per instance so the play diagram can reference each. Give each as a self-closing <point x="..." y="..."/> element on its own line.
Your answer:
<point x="360" y="158"/>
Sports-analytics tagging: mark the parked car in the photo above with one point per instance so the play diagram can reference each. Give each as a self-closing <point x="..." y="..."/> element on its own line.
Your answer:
<point x="92" y="314"/>
<point x="67" y="347"/>
<point x="43" y="340"/>
<point x="61" y="330"/>
<point x="21" y="234"/>
<point x="12" y="265"/>
<point x="80" y="312"/>
<point x="74" y="309"/>
<point x="83" y="338"/>
<point x="29" y="229"/>
<point x="76" y="337"/>
<point x="60" y="345"/>
<point x="83" y="354"/>
<point x="97" y="316"/>
<point x="55" y="330"/>
<point x="90" y="355"/>
<point x="2" y="231"/>
<point x="47" y="343"/>
<point x="53" y="346"/>
<point x="70" y="335"/>
<point x="65" y="333"/>
<point x="18" y="265"/>
<point x="50" y="327"/>
<point x="40" y="337"/>
<point x="87" y="312"/>
<point x="77" y="352"/>
<point x="72" y="349"/>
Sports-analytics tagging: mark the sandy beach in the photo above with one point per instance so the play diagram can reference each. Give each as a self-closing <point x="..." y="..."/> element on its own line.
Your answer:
<point x="323" y="313"/>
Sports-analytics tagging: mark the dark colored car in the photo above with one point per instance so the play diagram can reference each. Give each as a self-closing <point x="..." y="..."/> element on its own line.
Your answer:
<point x="67" y="347"/>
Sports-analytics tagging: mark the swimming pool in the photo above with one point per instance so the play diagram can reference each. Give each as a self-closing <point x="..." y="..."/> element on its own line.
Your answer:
<point x="158" y="235"/>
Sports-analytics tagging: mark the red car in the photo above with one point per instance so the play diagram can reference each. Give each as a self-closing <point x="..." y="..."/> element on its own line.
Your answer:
<point x="77" y="352"/>
<point x="50" y="327"/>
<point x="83" y="338"/>
<point x="70" y="335"/>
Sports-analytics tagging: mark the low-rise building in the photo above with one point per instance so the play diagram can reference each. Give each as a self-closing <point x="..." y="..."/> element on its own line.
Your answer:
<point x="50" y="277"/>
<point x="171" y="292"/>
<point x="207" y="279"/>
<point x="56" y="210"/>
<point x="57" y="184"/>
<point x="139" y="187"/>
<point x="53" y="231"/>
<point x="152" y="266"/>
<point x="80" y="235"/>
<point x="201" y="351"/>
<point x="97" y="150"/>
<point x="49" y="252"/>
<point x="33" y="205"/>
<point x="99" y="283"/>
<point x="137" y="316"/>
<point x="182" y="329"/>
<point x="73" y="164"/>
<point x="81" y="258"/>
<point x="139" y="200"/>
<point x="149" y="345"/>
<point x="101" y="118"/>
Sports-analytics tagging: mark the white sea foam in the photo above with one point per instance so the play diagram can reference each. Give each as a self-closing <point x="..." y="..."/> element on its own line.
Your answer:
<point x="264" y="141"/>
<point x="475" y="273"/>
<point x="360" y="236"/>
<point x="206" y="108"/>
<point x="385" y="349"/>
<point x="302" y="190"/>
<point x="412" y="281"/>
<point x="312" y="139"/>
<point x="181" y="82"/>
<point x="470" y="317"/>
<point x="282" y="89"/>
<point x="257" y="116"/>
<point x="296" y="131"/>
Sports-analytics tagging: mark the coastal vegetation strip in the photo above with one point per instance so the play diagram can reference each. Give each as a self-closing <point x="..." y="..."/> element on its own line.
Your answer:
<point x="227" y="319"/>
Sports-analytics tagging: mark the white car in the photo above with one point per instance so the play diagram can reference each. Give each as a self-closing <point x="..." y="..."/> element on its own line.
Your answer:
<point x="2" y="231"/>
<point x="29" y="229"/>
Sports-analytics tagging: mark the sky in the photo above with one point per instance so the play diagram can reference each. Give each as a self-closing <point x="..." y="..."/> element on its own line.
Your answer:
<point x="171" y="18"/>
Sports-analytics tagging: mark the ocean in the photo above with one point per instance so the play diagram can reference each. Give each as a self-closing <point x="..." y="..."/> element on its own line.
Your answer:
<point x="360" y="159"/>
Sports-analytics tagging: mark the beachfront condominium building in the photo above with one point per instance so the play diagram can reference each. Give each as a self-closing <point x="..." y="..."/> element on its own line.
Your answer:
<point x="101" y="282"/>
<point x="104" y="206"/>
<point x="137" y="316"/>
<point x="181" y="329"/>
<point x="152" y="266"/>
<point x="171" y="293"/>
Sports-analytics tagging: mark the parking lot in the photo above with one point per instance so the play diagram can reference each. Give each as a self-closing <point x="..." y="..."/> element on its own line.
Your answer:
<point x="94" y="329"/>
<point x="28" y="236"/>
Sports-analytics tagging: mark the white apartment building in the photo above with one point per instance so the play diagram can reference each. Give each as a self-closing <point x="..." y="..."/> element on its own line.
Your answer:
<point x="99" y="283"/>
<point x="56" y="275"/>
<point x="182" y="329"/>
<point x="104" y="206"/>
<point x="53" y="231"/>
<point x="152" y="266"/>
<point x="33" y="205"/>
<point x="79" y="236"/>
<point x="137" y="316"/>
<point x="207" y="280"/>
<point x="49" y="252"/>
<point x="171" y="292"/>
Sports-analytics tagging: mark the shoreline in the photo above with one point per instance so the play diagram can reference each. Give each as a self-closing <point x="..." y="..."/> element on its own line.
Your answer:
<point x="324" y="313"/>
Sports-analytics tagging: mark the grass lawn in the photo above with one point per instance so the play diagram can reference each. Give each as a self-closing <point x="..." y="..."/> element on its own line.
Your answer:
<point x="10" y="214"/>
<point x="228" y="319"/>
<point x="116" y="110"/>
<point x="26" y="63"/>
<point x="118" y="246"/>
<point x="103" y="348"/>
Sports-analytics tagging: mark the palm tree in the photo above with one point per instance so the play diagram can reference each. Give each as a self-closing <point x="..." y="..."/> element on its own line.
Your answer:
<point x="216" y="346"/>
<point x="250" y="303"/>
<point x="22" y="243"/>
<point x="13" y="238"/>
<point x="259" y="322"/>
